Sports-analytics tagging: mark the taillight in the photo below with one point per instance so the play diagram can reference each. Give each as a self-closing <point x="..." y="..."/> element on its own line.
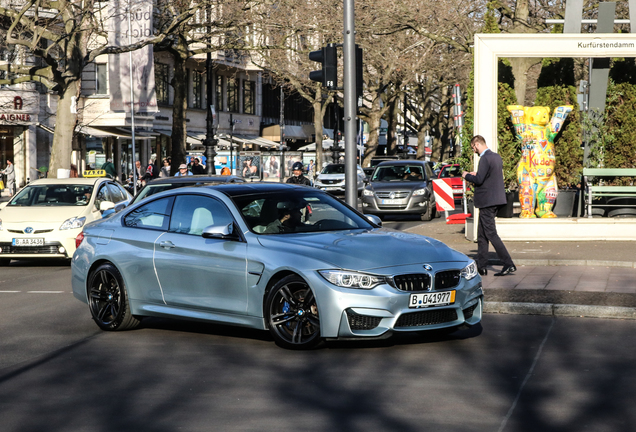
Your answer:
<point x="79" y="239"/>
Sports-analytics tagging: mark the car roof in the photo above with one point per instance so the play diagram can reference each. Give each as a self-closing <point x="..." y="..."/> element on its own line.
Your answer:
<point x="238" y="189"/>
<point x="401" y="162"/>
<point x="72" y="180"/>
<point x="196" y="178"/>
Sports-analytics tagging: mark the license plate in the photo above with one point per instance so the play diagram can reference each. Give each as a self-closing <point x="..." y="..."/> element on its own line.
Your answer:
<point x="28" y="242"/>
<point x="432" y="299"/>
<point x="391" y="201"/>
<point x="332" y="188"/>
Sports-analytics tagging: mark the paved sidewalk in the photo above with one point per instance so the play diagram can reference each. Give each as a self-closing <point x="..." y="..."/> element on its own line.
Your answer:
<point x="596" y="279"/>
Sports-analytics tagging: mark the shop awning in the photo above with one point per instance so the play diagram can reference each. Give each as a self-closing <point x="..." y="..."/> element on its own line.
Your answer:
<point x="46" y="128"/>
<point x="112" y="131"/>
<point x="272" y="133"/>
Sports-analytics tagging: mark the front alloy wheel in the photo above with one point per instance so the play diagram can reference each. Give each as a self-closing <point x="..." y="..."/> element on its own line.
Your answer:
<point x="107" y="299"/>
<point x="292" y="314"/>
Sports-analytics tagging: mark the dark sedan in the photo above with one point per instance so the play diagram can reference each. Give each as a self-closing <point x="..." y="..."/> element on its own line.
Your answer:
<point x="400" y="187"/>
<point x="167" y="183"/>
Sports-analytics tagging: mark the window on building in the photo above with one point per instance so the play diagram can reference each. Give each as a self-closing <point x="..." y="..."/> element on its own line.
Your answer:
<point x="219" y="93"/>
<point x="249" y="96"/>
<point x="162" y="79"/>
<point x="101" y="79"/>
<point x="232" y="95"/>
<point x="196" y="101"/>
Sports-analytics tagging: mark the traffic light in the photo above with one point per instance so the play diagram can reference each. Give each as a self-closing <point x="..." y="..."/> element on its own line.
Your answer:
<point x="328" y="75"/>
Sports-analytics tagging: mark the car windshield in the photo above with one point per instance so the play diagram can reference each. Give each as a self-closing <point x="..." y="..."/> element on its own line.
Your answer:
<point x="299" y="211"/>
<point x="398" y="173"/>
<point x="53" y="195"/>
<point x="450" y="171"/>
<point x="333" y="169"/>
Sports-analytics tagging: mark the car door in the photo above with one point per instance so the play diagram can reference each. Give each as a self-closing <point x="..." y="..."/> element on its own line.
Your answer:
<point x="197" y="272"/>
<point x="133" y="246"/>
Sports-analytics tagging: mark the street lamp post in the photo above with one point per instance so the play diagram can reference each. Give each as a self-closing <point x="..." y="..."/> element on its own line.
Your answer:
<point x="209" y="141"/>
<point x="282" y="134"/>
<point x="232" y="171"/>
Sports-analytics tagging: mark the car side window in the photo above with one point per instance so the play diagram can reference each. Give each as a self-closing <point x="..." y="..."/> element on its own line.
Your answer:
<point x="193" y="213"/>
<point x="115" y="193"/>
<point x="152" y="215"/>
<point x="102" y="195"/>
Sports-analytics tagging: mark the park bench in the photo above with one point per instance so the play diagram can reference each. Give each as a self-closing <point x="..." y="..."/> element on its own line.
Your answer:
<point x="591" y="175"/>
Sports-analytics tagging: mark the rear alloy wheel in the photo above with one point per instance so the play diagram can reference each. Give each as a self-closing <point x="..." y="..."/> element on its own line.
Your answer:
<point x="292" y="314"/>
<point x="107" y="299"/>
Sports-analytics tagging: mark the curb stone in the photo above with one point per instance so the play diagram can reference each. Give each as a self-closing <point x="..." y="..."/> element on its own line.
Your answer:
<point x="567" y="310"/>
<point x="565" y="263"/>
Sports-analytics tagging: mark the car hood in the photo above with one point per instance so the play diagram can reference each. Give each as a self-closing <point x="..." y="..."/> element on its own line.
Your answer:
<point x="363" y="249"/>
<point x="398" y="186"/>
<point x="40" y="213"/>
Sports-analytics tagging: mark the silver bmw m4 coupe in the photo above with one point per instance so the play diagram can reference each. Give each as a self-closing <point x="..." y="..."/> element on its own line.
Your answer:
<point x="289" y="259"/>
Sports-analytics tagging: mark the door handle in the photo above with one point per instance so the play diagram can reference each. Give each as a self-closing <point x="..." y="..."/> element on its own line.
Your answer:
<point x="167" y="244"/>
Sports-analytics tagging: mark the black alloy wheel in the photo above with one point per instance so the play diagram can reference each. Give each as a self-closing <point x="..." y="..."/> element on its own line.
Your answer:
<point x="107" y="299"/>
<point x="292" y="314"/>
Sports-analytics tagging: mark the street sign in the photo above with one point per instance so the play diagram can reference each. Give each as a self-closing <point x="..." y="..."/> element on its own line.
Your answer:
<point x="443" y="194"/>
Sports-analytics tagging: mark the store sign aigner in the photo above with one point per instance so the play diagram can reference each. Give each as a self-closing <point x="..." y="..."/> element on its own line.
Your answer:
<point x="15" y="108"/>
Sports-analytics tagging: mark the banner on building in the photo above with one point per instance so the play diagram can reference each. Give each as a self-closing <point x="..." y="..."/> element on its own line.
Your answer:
<point x="143" y="71"/>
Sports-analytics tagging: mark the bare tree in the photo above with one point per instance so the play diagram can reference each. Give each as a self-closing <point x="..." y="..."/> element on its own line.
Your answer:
<point x="61" y="38"/>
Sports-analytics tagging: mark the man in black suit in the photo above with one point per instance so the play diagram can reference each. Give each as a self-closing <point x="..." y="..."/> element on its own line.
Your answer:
<point x="489" y="196"/>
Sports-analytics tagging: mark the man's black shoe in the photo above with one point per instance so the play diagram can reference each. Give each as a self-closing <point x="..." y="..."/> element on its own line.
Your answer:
<point x="507" y="270"/>
<point x="482" y="271"/>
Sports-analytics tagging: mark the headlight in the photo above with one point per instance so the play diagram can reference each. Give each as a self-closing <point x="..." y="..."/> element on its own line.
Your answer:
<point x="419" y="192"/>
<point x="73" y="223"/>
<point x="470" y="271"/>
<point x="367" y="192"/>
<point x="348" y="279"/>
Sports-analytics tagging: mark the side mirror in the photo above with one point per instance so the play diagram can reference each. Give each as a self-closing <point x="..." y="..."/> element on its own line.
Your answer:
<point x="374" y="219"/>
<point x="106" y="205"/>
<point x="220" y="232"/>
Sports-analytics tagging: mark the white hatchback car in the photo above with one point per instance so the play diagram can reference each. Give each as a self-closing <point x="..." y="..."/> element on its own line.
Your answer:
<point x="44" y="218"/>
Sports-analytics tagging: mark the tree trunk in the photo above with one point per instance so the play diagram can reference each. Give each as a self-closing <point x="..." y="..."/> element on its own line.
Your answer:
<point x="391" y="136"/>
<point x="64" y="129"/>
<point x="179" y="109"/>
<point x="520" y="67"/>
<point x="373" y="118"/>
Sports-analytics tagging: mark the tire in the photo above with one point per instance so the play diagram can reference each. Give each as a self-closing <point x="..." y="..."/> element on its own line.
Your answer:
<point x="429" y="213"/>
<point x="292" y="314"/>
<point x="107" y="300"/>
<point x="5" y="262"/>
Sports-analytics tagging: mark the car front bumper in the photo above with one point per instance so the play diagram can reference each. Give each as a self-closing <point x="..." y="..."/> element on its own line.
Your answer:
<point x="56" y="244"/>
<point x="411" y="205"/>
<point x="356" y="313"/>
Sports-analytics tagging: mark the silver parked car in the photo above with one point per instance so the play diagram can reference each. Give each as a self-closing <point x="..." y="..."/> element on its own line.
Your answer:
<point x="400" y="187"/>
<point x="289" y="259"/>
<point x="332" y="179"/>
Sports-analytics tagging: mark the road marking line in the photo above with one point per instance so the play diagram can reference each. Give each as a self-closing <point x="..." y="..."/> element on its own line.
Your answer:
<point x="528" y="375"/>
<point x="45" y="292"/>
<point x="10" y="291"/>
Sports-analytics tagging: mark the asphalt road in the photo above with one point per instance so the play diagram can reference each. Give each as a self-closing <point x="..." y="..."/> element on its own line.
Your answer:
<point x="58" y="372"/>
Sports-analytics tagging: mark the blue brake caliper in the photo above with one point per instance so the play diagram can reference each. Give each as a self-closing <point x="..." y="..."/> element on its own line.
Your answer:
<point x="286" y="310"/>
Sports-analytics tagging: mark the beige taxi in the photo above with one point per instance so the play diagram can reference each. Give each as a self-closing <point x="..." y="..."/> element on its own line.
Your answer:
<point x="45" y="217"/>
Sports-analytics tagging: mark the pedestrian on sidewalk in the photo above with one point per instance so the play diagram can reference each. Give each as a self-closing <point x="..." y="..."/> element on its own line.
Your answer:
<point x="9" y="171"/>
<point x="489" y="195"/>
